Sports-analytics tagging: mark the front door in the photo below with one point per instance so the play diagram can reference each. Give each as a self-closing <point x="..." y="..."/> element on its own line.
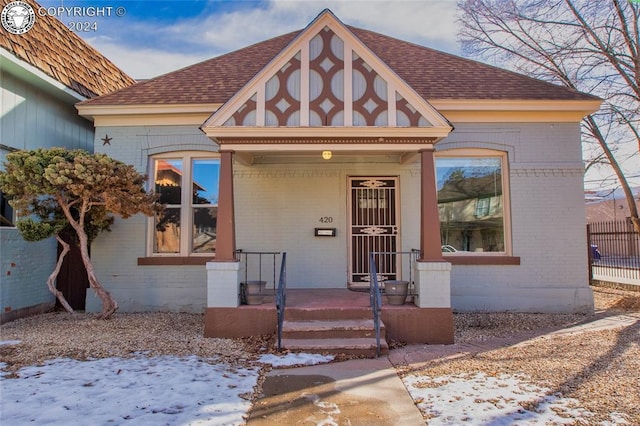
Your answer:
<point x="373" y="203"/>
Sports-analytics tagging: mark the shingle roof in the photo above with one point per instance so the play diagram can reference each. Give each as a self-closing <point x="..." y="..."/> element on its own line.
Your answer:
<point x="58" y="52"/>
<point x="431" y="73"/>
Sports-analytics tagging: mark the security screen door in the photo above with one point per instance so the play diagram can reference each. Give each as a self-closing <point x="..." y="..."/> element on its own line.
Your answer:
<point x="374" y="226"/>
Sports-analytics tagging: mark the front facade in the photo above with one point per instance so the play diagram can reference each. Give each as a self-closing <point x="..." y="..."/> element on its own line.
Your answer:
<point x="334" y="142"/>
<point x="43" y="74"/>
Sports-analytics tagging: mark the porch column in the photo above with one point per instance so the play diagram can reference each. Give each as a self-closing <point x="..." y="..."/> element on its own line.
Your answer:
<point x="433" y="273"/>
<point x="223" y="285"/>
<point x="226" y="232"/>
<point x="430" y="246"/>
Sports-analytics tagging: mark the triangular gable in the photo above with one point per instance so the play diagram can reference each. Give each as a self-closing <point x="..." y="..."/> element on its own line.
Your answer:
<point x="326" y="78"/>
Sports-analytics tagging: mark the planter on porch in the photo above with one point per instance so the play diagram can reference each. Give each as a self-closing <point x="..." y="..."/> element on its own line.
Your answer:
<point x="396" y="291"/>
<point x="252" y="292"/>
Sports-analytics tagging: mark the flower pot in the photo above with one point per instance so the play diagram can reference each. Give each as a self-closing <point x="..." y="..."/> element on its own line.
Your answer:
<point x="396" y="291"/>
<point x="253" y="292"/>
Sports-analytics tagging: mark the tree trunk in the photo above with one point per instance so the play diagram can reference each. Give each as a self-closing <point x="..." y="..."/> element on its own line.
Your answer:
<point x="624" y="183"/>
<point x="109" y="304"/>
<point x="52" y="278"/>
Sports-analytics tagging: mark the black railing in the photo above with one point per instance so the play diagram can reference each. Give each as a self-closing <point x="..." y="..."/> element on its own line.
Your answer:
<point x="281" y="298"/>
<point x="260" y="265"/>
<point x="406" y="261"/>
<point x="614" y="252"/>
<point x="375" y="299"/>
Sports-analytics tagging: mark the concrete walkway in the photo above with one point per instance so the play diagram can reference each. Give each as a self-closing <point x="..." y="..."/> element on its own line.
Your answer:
<point x="369" y="391"/>
<point x="356" y="392"/>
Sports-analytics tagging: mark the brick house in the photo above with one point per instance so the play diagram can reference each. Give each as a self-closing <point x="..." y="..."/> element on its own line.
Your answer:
<point x="382" y="144"/>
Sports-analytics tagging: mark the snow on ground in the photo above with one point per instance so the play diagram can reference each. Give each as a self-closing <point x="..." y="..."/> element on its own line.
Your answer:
<point x="488" y="400"/>
<point x="196" y="391"/>
<point x="294" y="359"/>
<point x="145" y="391"/>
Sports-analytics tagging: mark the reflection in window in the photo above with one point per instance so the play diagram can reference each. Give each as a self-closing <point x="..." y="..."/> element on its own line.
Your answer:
<point x="167" y="233"/>
<point x="205" y="173"/>
<point x="204" y="229"/>
<point x="482" y="206"/>
<point x="188" y="223"/>
<point x="470" y="203"/>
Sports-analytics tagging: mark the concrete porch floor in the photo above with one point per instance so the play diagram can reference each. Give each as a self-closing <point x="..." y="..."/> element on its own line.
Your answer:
<point x="406" y="323"/>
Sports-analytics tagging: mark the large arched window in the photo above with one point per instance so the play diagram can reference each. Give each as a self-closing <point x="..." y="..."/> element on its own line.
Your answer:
<point x="188" y="186"/>
<point x="473" y="201"/>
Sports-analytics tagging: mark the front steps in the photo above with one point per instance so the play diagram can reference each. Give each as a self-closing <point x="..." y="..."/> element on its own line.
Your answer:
<point x="334" y="331"/>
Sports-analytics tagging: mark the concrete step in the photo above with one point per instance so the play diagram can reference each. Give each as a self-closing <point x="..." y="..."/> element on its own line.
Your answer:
<point x="351" y="346"/>
<point x="327" y="313"/>
<point x="338" y="329"/>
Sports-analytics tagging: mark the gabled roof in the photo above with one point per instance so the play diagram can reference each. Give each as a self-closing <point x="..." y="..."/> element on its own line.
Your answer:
<point x="431" y="73"/>
<point x="59" y="53"/>
<point x="326" y="78"/>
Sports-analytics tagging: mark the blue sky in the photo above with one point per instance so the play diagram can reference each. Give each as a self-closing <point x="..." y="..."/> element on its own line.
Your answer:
<point x="155" y="37"/>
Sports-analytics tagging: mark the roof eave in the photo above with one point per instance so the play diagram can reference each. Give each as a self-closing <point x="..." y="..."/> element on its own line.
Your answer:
<point x="30" y="73"/>
<point x="587" y="105"/>
<point x="244" y="132"/>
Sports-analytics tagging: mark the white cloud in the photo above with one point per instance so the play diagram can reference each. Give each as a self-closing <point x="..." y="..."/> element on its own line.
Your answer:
<point x="168" y="47"/>
<point x="145" y="63"/>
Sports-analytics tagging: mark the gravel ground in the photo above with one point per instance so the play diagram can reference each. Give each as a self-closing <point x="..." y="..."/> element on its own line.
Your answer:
<point x="599" y="368"/>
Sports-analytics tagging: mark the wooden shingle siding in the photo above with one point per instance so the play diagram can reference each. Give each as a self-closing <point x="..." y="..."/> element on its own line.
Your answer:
<point x="58" y="52"/>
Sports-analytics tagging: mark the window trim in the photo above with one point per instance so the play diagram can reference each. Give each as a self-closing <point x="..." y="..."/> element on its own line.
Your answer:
<point x="499" y="257"/>
<point x="184" y="256"/>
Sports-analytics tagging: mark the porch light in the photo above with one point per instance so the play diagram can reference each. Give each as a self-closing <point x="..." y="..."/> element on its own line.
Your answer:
<point x="327" y="155"/>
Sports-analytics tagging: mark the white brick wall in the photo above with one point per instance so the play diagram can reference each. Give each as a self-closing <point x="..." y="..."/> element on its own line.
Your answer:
<point x="115" y="254"/>
<point x="548" y="224"/>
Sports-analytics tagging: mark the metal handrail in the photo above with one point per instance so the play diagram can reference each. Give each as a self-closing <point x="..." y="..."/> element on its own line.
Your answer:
<point x="281" y="297"/>
<point x="375" y="300"/>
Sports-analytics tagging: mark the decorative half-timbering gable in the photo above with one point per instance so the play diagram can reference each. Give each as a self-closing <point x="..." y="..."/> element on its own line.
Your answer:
<point x="326" y="78"/>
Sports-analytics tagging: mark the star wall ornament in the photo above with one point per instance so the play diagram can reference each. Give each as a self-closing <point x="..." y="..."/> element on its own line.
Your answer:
<point x="106" y="140"/>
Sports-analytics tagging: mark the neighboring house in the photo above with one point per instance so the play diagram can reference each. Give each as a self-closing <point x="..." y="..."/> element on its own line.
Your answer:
<point x="43" y="74"/>
<point x="343" y="128"/>
<point x="607" y="205"/>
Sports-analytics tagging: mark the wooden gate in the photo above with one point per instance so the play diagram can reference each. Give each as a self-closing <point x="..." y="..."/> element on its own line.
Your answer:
<point x="373" y="203"/>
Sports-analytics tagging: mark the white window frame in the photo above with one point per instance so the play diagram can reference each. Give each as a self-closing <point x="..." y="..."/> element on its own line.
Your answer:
<point x="506" y="199"/>
<point x="186" y="202"/>
<point x="483" y="206"/>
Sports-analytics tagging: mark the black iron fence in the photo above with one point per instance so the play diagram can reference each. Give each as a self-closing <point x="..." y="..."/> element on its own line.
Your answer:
<point x="614" y="252"/>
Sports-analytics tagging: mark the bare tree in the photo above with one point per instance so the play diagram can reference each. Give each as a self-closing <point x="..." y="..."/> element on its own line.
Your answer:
<point x="591" y="46"/>
<point x="58" y="190"/>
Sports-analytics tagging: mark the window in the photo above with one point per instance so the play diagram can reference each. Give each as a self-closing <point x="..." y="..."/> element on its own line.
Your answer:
<point x="482" y="206"/>
<point x="6" y="211"/>
<point x="471" y="202"/>
<point x="7" y="214"/>
<point x="188" y="186"/>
